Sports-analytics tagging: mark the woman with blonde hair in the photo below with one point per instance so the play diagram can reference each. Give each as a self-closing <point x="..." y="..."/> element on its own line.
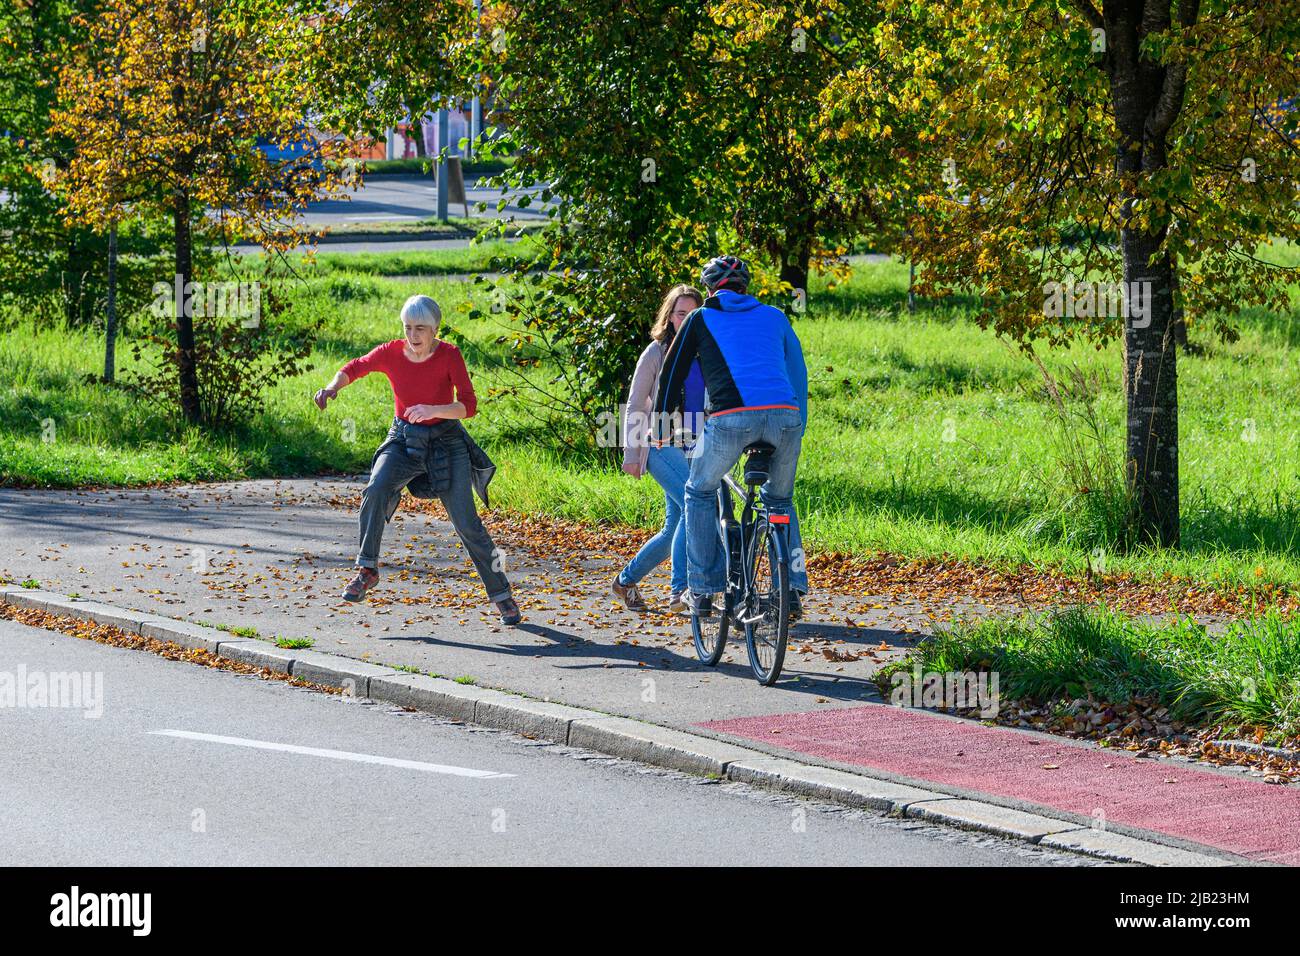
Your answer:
<point x="667" y="464"/>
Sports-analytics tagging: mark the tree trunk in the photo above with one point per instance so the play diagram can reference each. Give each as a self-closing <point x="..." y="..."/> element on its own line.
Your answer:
<point x="185" y="354"/>
<point x="418" y="128"/>
<point x="110" y="318"/>
<point x="794" y="267"/>
<point x="1147" y="97"/>
<point x="78" y="282"/>
<point x="796" y="272"/>
<point x="1151" y="392"/>
<point x="1179" y="320"/>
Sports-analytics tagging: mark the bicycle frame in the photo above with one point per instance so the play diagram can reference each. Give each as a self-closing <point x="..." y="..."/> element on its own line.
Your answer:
<point x="756" y="537"/>
<point x="732" y="540"/>
<point x="738" y="548"/>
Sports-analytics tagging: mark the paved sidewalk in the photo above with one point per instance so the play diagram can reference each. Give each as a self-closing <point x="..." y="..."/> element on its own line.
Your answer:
<point x="275" y="556"/>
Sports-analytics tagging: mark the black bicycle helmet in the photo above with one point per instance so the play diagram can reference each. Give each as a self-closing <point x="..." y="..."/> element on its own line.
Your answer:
<point x="725" y="272"/>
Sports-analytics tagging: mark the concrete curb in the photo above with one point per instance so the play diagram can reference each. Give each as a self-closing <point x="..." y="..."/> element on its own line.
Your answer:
<point x="631" y="739"/>
<point x="257" y="653"/>
<point x="193" y="637"/>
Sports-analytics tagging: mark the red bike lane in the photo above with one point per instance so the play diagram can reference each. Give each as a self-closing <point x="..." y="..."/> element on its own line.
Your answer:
<point x="1243" y="816"/>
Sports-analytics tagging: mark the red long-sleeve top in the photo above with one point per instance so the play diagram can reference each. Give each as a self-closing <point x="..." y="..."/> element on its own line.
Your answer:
<point x="440" y="379"/>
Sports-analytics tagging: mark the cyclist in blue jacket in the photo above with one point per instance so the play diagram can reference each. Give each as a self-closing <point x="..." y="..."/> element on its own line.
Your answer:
<point x="757" y="386"/>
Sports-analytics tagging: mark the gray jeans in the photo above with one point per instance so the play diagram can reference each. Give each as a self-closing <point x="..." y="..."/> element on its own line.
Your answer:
<point x="390" y="474"/>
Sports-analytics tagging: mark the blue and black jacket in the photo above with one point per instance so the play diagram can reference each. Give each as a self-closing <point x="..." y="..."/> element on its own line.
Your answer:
<point x="748" y="354"/>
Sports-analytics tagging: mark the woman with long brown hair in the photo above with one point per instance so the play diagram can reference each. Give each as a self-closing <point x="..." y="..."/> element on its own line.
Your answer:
<point x="669" y="464"/>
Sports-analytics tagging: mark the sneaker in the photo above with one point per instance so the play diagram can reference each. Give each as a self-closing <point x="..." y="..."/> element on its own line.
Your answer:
<point x="677" y="603"/>
<point x="366" y="579"/>
<point x="796" y="605"/>
<point x="510" y="613"/>
<point x="630" y="595"/>
<point x="701" y="605"/>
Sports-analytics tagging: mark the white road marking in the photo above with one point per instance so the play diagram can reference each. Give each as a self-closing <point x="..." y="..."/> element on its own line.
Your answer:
<point x="380" y="215"/>
<point x="333" y="754"/>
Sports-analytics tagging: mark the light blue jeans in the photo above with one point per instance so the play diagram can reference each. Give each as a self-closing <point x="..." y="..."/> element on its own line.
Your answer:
<point x="669" y="467"/>
<point x="721" y="446"/>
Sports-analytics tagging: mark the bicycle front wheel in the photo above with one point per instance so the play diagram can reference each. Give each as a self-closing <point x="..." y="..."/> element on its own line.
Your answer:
<point x="710" y="636"/>
<point x="767" y="613"/>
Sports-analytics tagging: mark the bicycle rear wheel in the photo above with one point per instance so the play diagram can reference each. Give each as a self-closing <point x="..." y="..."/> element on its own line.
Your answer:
<point x="766" y="615"/>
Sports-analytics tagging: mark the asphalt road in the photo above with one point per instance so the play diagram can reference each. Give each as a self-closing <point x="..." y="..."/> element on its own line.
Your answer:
<point x="406" y="198"/>
<point x="187" y="765"/>
<point x="385" y="200"/>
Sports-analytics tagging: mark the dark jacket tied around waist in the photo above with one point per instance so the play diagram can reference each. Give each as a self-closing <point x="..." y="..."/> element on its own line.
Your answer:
<point x="433" y="445"/>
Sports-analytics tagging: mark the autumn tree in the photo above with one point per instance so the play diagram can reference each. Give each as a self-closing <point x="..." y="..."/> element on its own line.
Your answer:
<point x="662" y="133"/>
<point x="44" y="260"/>
<point x="775" y="65"/>
<point x="605" y="101"/>
<point x="377" y="62"/>
<point x="668" y="133"/>
<point x="1079" y="142"/>
<point x="172" y="123"/>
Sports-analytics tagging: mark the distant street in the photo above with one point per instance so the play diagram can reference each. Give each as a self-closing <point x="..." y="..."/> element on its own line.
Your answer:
<point x="411" y="198"/>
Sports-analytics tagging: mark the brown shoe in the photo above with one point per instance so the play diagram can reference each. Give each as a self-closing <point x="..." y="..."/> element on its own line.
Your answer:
<point x="510" y="613"/>
<point x="630" y="595"/>
<point x="366" y="579"/>
<point x="796" y="605"/>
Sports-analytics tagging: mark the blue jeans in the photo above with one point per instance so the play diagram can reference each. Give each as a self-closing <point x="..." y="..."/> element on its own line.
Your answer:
<point x="668" y="466"/>
<point x="720" y="447"/>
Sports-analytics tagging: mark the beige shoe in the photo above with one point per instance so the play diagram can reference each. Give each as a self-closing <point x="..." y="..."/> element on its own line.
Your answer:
<point x="365" y="579"/>
<point x="629" y="594"/>
<point x="676" y="605"/>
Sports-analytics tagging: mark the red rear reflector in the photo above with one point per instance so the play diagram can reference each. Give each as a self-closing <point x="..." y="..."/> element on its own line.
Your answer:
<point x="779" y="519"/>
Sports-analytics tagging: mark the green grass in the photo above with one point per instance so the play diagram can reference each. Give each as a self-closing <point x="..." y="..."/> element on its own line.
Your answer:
<point x="1249" y="675"/>
<point x="456" y="227"/>
<point x="928" y="436"/>
<point x="410" y="669"/>
<point x="418" y="263"/>
<point x="466" y="680"/>
<point x="237" y="630"/>
<point x="295" y="643"/>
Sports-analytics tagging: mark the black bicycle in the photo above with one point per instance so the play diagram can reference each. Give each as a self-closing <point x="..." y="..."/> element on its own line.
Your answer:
<point x="757" y="550"/>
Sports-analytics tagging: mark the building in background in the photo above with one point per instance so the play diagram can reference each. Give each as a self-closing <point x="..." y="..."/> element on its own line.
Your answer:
<point x="400" y="141"/>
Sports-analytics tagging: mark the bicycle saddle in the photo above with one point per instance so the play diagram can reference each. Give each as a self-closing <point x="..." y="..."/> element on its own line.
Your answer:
<point x="758" y="462"/>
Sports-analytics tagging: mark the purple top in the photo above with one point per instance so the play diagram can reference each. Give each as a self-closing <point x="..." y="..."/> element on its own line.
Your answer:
<point x="693" y="400"/>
